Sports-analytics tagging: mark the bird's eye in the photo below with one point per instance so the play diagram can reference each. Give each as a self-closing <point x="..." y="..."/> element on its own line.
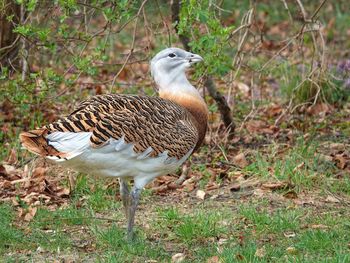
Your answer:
<point x="172" y="55"/>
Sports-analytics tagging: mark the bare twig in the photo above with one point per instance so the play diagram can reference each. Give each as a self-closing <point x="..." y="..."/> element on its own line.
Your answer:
<point x="132" y="44"/>
<point x="302" y="10"/>
<point x="164" y="23"/>
<point x="253" y="107"/>
<point x="12" y="45"/>
<point x="317" y="10"/>
<point x="246" y="23"/>
<point x="286" y="7"/>
<point x="24" y="49"/>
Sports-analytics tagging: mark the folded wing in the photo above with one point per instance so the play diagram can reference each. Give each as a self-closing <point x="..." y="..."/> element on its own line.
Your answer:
<point x="151" y="124"/>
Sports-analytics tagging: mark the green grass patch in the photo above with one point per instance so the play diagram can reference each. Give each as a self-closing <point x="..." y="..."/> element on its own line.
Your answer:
<point x="113" y="241"/>
<point x="302" y="166"/>
<point x="253" y="231"/>
<point x="10" y="236"/>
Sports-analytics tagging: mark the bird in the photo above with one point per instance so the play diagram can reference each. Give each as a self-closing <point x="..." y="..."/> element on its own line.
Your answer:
<point x="134" y="138"/>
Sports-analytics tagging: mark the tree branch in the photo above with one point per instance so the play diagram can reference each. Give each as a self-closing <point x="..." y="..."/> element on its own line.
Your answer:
<point x="220" y="100"/>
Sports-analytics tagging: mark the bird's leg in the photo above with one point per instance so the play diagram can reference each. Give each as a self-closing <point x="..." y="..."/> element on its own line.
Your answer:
<point x="134" y="201"/>
<point x="124" y="194"/>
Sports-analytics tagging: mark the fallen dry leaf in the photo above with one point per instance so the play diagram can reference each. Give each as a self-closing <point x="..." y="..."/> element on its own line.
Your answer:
<point x="259" y="126"/>
<point x="12" y="159"/>
<point x="2" y="170"/>
<point x="275" y="186"/>
<point x="191" y="180"/>
<point x="254" y="126"/>
<point x="303" y="201"/>
<point x="291" y="195"/>
<point x="6" y="185"/>
<point x="214" y="259"/>
<point x="320" y="108"/>
<point x="164" y="179"/>
<point x="63" y="192"/>
<point x="247" y="139"/>
<point x="332" y="199"/>
<point x="189" y="187"/>
<point x="39" y="172"/>
<point x="337" y="147"/>
<point x="211" y="186"/>
<point x="123" y="75"/>
<point x="260" y="252"/>
<point x="30" y="213"/>
<point x="9" y="169"/>
<point x="235" y="139"/>
<point x="324" y="157"/>
<point x="319" y="226"/>
<point x="274" y="110"/>
<point x="259" y="192"/>
<point x="240" y="160"/>
<point x="341" y="160"/>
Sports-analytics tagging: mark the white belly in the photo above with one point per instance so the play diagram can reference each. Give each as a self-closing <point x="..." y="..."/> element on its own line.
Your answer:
<point x="117" y="159"/>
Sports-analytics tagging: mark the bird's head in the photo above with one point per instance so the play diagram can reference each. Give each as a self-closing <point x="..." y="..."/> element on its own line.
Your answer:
<point x="169" y="65"/>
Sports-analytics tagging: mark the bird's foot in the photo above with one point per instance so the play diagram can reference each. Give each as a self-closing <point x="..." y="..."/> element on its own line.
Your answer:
<point x="130" y="236"/>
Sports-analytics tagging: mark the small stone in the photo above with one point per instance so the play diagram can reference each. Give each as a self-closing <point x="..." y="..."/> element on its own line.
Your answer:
<point x="289" y="234"/>
<point x="200" y="194"/>
<point x="178" y="257"/>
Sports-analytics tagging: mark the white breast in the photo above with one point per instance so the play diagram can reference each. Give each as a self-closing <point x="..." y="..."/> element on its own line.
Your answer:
<point x="115" y="159"/>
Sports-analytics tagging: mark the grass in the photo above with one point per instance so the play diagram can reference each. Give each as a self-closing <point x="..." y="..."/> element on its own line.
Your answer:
<point x="245" y="231"/>
<point x="9" y="235"/>
<point x="302" y="166"/>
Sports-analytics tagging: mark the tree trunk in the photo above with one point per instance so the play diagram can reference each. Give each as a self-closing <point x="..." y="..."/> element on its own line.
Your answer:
<point x="9" y="41"/>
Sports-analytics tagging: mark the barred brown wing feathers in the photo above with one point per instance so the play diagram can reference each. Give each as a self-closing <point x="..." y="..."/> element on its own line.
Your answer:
<point x="149" y="122"/>
<point x="143" y="121"/>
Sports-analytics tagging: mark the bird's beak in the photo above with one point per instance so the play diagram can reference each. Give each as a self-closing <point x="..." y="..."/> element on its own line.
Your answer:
<point x="194" y="58"/>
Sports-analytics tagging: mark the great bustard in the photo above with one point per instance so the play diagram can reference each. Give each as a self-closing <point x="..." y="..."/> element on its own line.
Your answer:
<point x="129" y="136"/>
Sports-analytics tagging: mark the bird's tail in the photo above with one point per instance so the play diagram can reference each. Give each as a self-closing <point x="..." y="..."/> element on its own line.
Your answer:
<point x="35" y="141"/>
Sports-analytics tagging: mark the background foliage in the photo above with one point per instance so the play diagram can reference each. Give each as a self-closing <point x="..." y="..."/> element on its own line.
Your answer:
<point x="278" y="188"/>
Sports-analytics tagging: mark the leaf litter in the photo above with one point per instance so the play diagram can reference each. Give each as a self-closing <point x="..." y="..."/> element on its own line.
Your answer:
<point x="27" y="190"/>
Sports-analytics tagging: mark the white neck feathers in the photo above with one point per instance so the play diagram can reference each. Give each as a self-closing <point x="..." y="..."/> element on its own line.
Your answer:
<point x="175" y="84"/>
